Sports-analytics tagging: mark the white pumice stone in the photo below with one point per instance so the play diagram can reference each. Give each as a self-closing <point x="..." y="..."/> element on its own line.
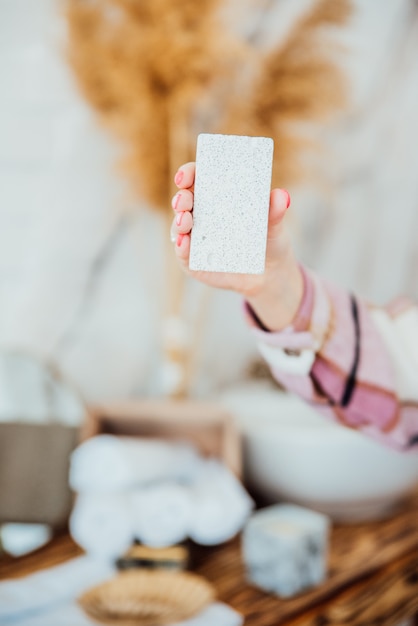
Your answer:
<point x="285" y="549"/>
<point x="231" y="203"/>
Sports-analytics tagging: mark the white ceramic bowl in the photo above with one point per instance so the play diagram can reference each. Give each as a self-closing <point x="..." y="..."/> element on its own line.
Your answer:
<point x="292" y="453"/>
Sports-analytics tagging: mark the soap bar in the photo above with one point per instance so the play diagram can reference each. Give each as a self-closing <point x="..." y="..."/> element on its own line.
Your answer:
<point x="231" y="203"/>
<point x="285" y="549"/>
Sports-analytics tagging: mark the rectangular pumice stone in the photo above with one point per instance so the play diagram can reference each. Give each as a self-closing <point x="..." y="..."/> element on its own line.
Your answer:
<point x="231" y="203"/>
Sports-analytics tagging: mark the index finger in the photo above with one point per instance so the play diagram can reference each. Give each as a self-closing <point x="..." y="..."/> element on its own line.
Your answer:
<point x="184" y="178"/>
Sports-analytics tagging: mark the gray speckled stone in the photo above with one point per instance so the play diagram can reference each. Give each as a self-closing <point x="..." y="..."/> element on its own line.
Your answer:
<point x="232" y="193"/>
<point x="285" y="549"/>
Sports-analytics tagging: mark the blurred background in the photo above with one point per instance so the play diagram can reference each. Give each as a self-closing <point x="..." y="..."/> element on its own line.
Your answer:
<point x="100" y="102"/>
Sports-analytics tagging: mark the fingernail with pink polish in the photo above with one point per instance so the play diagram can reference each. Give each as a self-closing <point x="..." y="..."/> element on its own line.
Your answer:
<point x="287" y="198"/>
<point x="179" y="240"/>
<point x="179" y="217"/>
<point x="175" y="201"/>
<point x="178" y="177"/>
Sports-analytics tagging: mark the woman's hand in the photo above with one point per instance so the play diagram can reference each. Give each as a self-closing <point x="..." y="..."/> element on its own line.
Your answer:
<point x="275" y="295"/>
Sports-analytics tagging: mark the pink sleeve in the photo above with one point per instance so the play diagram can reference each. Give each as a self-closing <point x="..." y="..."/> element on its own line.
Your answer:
<point x="337" y="358"/>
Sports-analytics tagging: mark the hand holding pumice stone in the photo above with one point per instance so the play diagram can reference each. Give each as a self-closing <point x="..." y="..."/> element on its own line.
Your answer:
<point x="228" y="228"/>
<point x="231" y="203"/>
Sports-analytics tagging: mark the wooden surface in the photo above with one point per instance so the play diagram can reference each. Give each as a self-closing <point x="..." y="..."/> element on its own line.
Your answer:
<point x="373" y="576"/>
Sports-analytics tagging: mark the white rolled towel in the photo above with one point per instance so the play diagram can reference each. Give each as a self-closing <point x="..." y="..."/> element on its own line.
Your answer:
<point x="108" y="463"/>
<point x="162" y="514"/>
<point x="220" y="504"/>
<point x="102" y="524"/>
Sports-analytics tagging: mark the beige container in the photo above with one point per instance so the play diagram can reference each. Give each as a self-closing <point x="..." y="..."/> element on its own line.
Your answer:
<point x="208" y="427"/>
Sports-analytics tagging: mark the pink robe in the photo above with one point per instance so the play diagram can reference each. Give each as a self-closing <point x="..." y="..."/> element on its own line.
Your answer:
<point x="355" y="363"/>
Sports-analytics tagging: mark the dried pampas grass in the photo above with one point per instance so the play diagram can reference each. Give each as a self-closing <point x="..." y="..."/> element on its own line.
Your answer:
<point x="299" y="83"/>
<point x="146" y="66"/>
<point x="141" y="65"/>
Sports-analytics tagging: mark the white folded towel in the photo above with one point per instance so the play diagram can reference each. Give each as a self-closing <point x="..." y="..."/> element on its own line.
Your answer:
<point x="220" y="504"/>
<point x="102" y="524"/>
<point x="39" y="593"/>
<point x="108" y="463"/>
<point x="216" y="614"/>
<point x="162" y="514"/>
<point x="48" y="598"/>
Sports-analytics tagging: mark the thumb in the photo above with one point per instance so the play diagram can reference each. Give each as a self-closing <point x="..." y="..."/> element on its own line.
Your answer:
<point x="279" y="203"/>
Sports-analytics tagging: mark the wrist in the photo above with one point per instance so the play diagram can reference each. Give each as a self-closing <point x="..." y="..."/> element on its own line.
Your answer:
<point x="278" y="301"/>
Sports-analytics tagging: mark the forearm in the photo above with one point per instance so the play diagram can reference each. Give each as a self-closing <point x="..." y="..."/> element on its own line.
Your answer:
<point x="351" y="364"/>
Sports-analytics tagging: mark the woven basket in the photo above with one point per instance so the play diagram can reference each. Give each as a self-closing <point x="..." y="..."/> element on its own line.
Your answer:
<point x="147" y="598"/>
